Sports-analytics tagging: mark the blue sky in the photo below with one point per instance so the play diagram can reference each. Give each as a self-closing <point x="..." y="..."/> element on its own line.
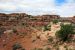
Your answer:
<point x="64" y="8"/>
<point x="60" y="2"/>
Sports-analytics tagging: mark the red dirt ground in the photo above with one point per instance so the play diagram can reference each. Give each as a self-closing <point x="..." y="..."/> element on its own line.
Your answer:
<point x="26" y="42"/>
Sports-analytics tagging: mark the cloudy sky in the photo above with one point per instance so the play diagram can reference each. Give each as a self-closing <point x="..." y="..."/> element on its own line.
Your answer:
<point x="64" y="8"/>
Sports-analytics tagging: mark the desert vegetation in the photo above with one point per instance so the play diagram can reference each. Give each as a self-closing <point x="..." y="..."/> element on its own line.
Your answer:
<point x="17" y="46"/>
<point x="65" y="33"/>
<point x="20" y="31"/>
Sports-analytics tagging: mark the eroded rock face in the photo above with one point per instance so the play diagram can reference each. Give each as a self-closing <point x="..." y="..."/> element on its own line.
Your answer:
<point x="15" y="18"/>
<point x="7" y="16"/>
<point x="11" y="19"/>
<point x="17" y="14"/>
<point x="3" y="17"/>
<point x="18" y="18"/>
<point x="73" y="19"/>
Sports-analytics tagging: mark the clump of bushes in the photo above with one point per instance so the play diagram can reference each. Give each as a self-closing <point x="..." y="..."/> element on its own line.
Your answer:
<point x="1" y="30"/>
<point x="66" y="47"/>
<point x="22" y="34"/>
<point x="55" y="21"/>
<point x="48" y="48"/>
<point x="14" y="30"/>
<point x="50" y="39"/>
<point x="17" y="46"/>
<point x="65" y="33"/>
<point x="47" y="27"/>
<point x="37" y="49"/>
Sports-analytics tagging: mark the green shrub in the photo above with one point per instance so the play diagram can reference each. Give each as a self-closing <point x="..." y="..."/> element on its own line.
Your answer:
<point x="16" y="46"/>
<point x="47" y="27"/>
<point x="55" y="21"/>
<point x="65" y="33"/>
<point x="48" y="48"/>
<point x="23" y="49"/>
<point x="50" y="39"/>
<point x="14" y="30"/>
<point x="66" y="47"/>
<point x="1" y="31"/>
<point x="37" y="49"/>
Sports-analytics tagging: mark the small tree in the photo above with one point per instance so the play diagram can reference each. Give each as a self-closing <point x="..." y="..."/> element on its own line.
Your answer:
<point x="50" y="39"/>
<point x="47" y="27"/>
<point x="48" y="48"/>
<point x="14" y="30"/>
<point x="65" y="33"/>
<point x="1" y="30"/>
<point x="37" y="49"/>
<point x="16" y="46"/>
<point x="55" y="21"/>
<point x="23" y="49"/>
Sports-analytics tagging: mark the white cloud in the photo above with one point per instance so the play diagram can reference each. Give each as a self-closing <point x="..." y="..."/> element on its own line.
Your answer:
<point x="8" y="7"/>
<point x="37" y="7"/>
<point x="67" y="9"/>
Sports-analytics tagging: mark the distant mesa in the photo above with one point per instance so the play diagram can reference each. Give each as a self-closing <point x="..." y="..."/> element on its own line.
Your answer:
<point x="4" y="17"/>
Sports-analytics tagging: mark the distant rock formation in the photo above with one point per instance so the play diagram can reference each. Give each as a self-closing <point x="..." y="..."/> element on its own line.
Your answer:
<point x="16" y="18"/>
